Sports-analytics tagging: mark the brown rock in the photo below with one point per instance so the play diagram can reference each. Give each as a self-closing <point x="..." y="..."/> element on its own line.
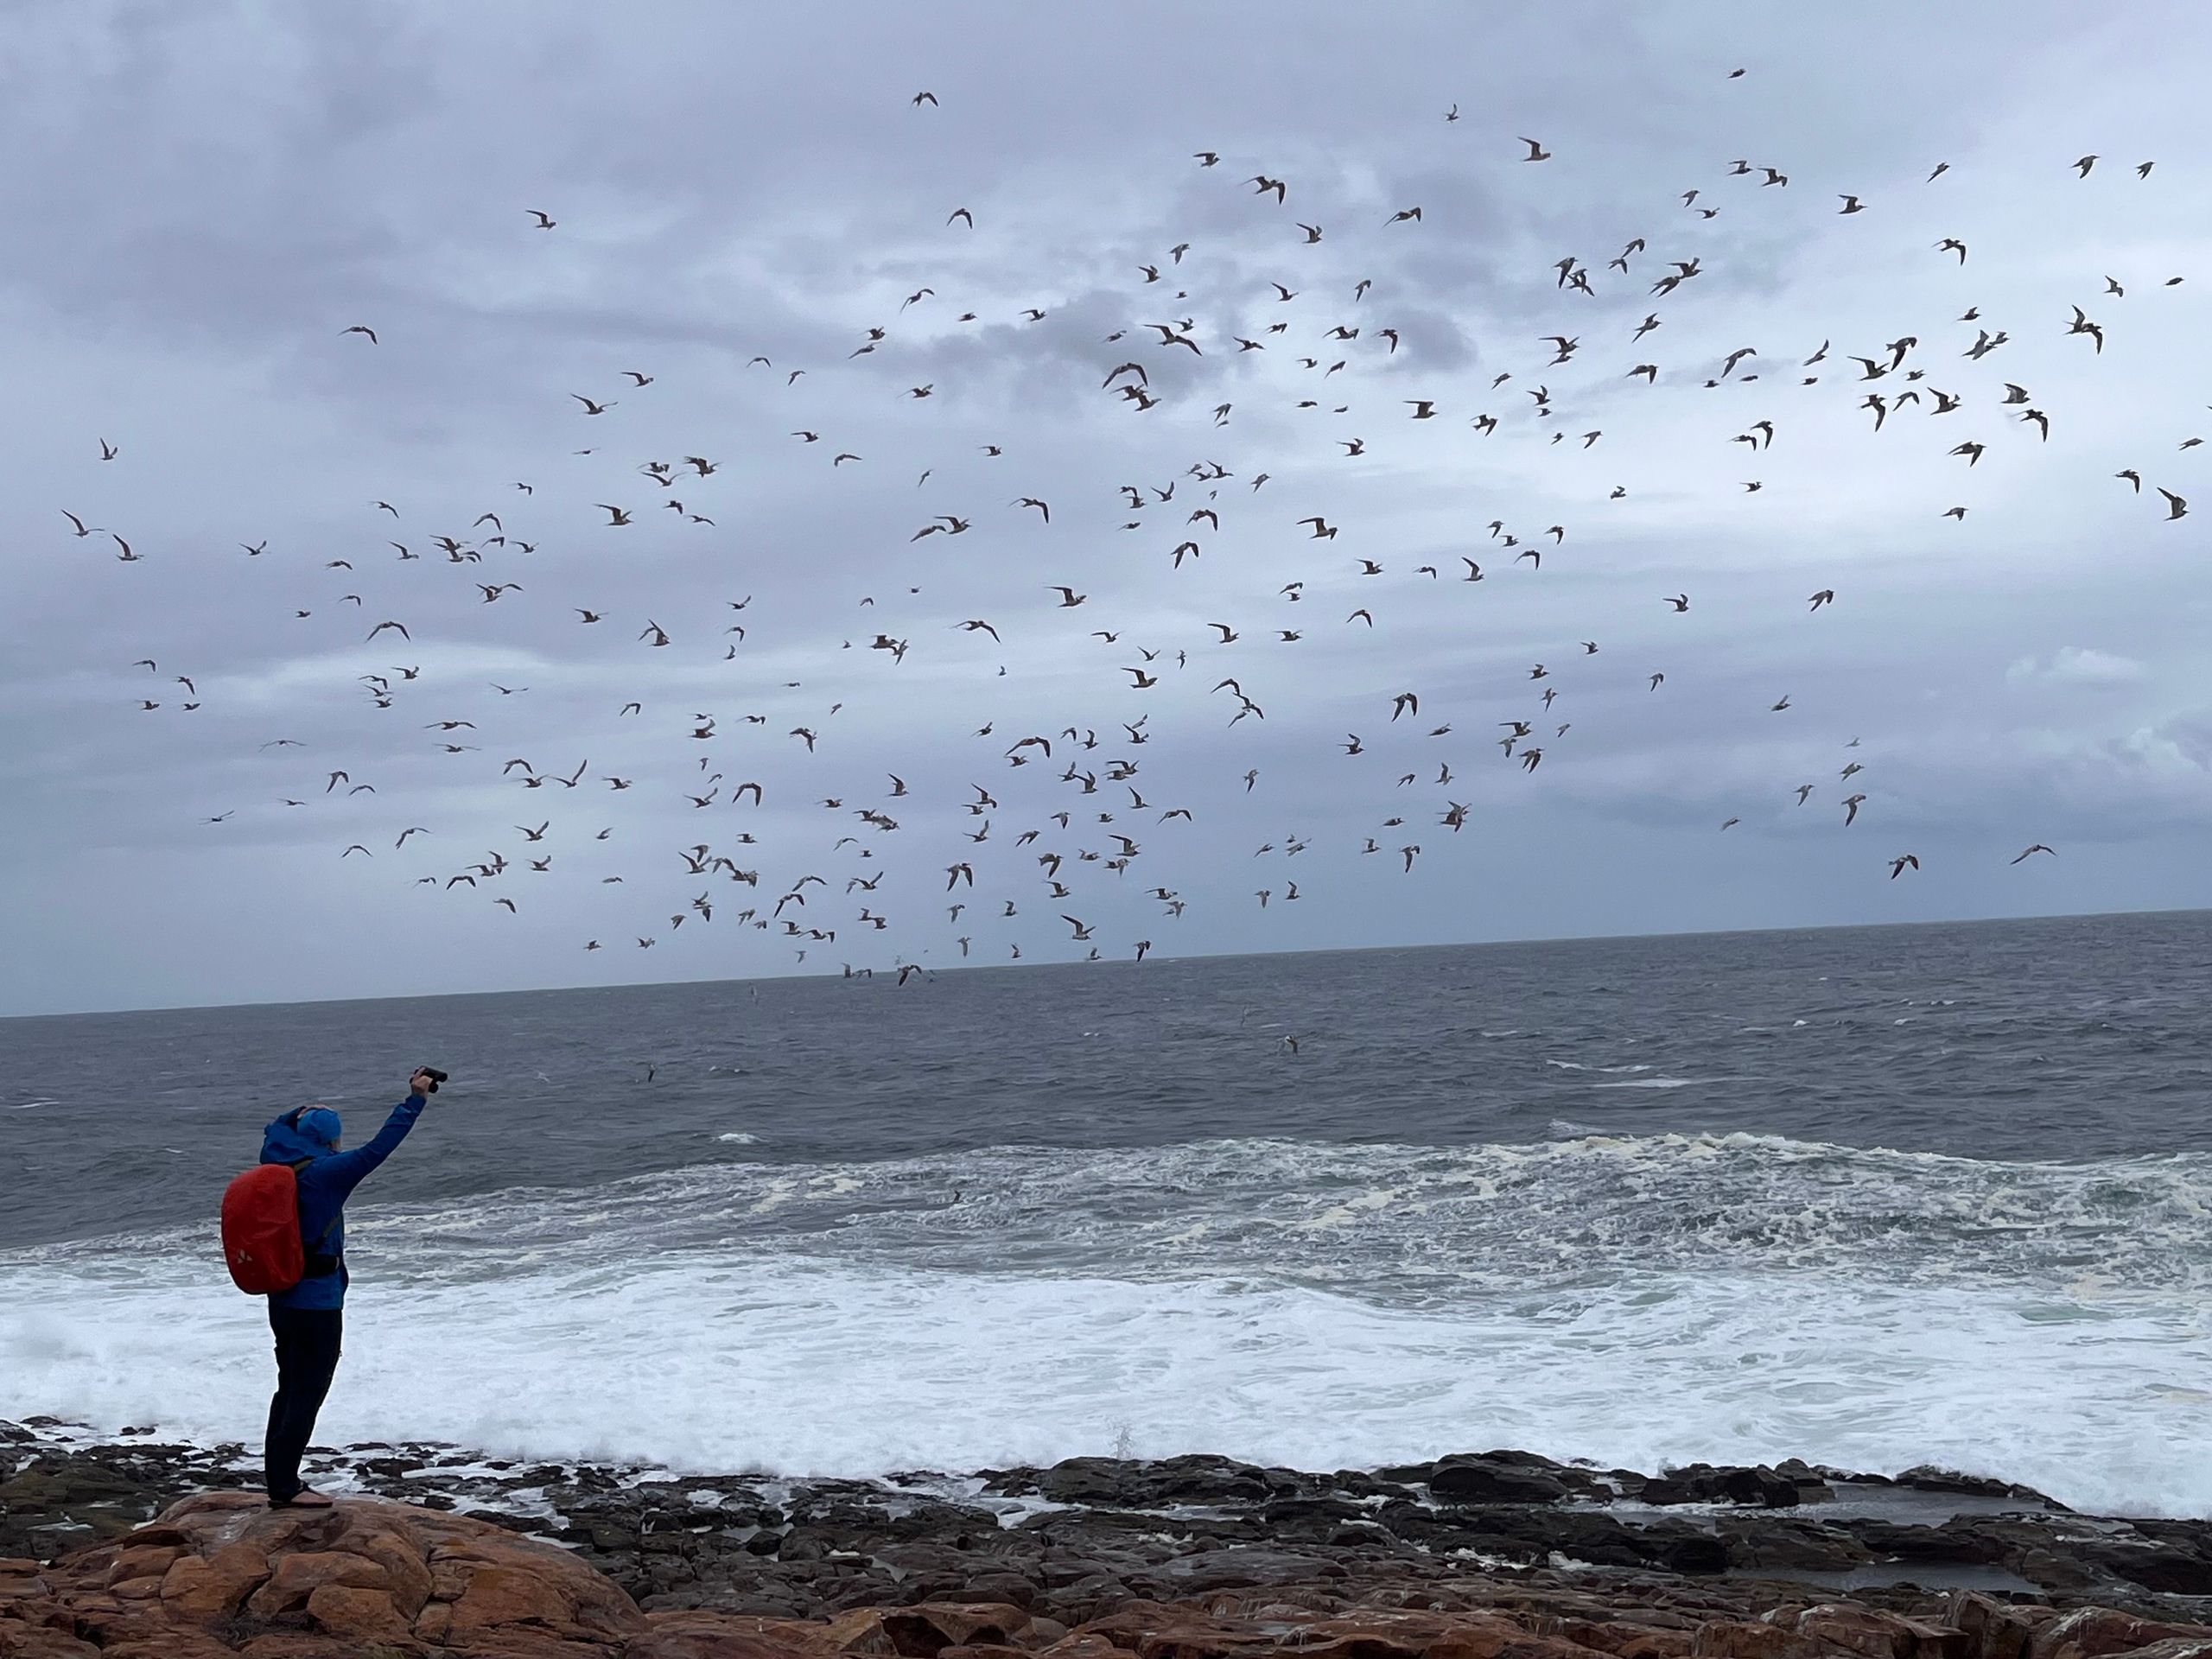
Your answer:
<point x="860" y="1631"/>
<point x="366" y="1575"/>
<point x="410" y="1576"/>
<point x="19" y="1576"/>
<point x="1295" y="1601"/>
<point x="298" y="1577"/>
<point x="142" y="1561"/>
<point x="358" y="1614"/>
<point x="21" y="1641"/>
<point x="1137" y="1626"/>
<point x="925" y="1630"/>
<point x="1490" y="1644"/>
<point x="508" y="1580"/>
<point x="1883" y="1635"/>
<point x="691" y="1634"/>
<point x="1081" y="1644"/>
<point x="2095" y="1631"/>
<point x="508" y="1595"/>
<point x="1729" y="1639"/>
<point x="223" y="1576"/>
<point x="170" y="1644"/>
<point x="1999" y="1630"/>
<point x="1625" y="1640"/>
<point x="204" y="1588"/>
<point x="297" y="1644"/>
<point x="1365" y="1640"/>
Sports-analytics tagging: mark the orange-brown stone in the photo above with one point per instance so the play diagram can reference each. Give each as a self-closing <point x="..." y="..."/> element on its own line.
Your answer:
<point x="364" y="1614"/>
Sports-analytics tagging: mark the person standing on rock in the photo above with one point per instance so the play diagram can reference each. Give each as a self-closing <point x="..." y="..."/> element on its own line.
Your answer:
<point x="308" y="1318"/>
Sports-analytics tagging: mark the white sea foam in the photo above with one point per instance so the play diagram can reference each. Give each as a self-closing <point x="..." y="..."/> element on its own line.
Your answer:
<point x="1634" y="1300"/>
<point x="721" y="1362"/>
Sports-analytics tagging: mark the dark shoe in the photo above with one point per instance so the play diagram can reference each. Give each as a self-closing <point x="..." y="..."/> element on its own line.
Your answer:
<point x="305" y="1498"/>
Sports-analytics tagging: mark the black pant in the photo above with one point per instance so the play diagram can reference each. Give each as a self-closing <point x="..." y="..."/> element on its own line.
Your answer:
<point x="306" y="1359"/>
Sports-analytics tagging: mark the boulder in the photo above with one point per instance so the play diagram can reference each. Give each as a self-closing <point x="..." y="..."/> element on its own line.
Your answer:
<point x="1127" y="1483"/>
<point x="1926" y="1477"/>
<point x="2171" y="1571"/>
<point x="201" y="1589"/>
<point x="2095" y="1632"/>
<point x="1999" y="1630"/>
<point x="1493" y="1480"/>
<point x="1702" y="1483"/>
<point x="224" y="1574"/>
<point x="924" y="1630"/>
<point x="1734" y="1639"/>
<point x="1882" y="1636"/>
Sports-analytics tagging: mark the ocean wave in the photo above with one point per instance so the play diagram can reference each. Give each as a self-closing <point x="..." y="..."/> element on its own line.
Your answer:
<point x="805" y="1366"/>
<point x="1636" y="1300"/>
<point x="1399" y="1225"/>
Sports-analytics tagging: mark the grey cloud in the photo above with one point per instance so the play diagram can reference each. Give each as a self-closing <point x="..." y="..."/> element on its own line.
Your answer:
<point x="206" y="196"/>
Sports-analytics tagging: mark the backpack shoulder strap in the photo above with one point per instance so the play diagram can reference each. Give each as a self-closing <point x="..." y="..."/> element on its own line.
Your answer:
<point x="316" y="1252"/>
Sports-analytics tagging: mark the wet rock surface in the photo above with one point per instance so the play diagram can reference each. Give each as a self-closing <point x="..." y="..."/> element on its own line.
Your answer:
<point x="1093" y="1556"/>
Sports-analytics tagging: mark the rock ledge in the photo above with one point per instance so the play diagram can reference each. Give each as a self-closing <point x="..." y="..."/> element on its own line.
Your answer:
<point x="221" y="1574"/>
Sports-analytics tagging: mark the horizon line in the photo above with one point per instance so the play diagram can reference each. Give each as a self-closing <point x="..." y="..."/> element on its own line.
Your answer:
<point x="932" y="970"/>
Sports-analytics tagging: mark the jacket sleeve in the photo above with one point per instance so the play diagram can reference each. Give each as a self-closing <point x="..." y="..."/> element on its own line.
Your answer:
<point x="344" y="1171"/>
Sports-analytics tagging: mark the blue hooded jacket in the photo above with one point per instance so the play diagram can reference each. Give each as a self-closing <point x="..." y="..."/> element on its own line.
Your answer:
<point x="324" y="1181"/>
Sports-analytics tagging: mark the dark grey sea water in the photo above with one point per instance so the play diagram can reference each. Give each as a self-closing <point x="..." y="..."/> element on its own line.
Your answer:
<point x="1882" y="1195"/>
<point x="2078" y="1038"/>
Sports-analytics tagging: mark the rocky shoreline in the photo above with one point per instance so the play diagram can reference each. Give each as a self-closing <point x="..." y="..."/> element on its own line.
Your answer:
<point x="1503" y="1533"/>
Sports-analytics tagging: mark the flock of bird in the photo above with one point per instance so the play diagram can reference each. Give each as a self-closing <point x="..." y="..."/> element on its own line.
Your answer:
<point x="1041" y="816"/>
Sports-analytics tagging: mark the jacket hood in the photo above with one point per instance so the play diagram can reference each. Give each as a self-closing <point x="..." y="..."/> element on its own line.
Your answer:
<point x="311" y="1132"/>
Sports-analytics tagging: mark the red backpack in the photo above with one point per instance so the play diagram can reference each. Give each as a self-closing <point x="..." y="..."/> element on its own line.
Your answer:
<point x="261" y="1230"/>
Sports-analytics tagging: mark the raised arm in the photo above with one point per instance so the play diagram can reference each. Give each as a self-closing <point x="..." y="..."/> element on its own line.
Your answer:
<point x="345" y="1170"/>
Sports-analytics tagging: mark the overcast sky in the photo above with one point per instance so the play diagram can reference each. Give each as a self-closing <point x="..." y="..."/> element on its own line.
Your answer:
<point x="202" y="198"/>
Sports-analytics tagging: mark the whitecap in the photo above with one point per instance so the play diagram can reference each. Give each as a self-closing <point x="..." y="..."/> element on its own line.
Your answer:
<point x="778" y="1365"/>
<point x="1290" y="1301"/>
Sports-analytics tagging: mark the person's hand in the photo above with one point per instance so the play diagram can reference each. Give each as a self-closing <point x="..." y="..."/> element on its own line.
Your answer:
<point x="419" y="1085"/>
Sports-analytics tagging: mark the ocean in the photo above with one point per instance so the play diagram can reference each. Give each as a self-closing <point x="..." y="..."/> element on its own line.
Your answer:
<point x="1874" y="1197"/>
